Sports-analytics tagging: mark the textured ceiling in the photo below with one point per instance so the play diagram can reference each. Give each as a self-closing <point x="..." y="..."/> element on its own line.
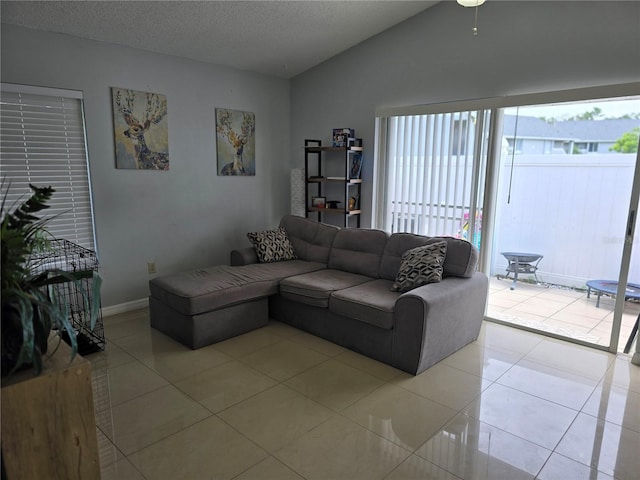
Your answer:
<point x="281" y="38"/>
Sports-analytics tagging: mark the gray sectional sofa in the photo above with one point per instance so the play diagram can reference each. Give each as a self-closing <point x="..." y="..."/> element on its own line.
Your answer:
<point x="338" y="288"/>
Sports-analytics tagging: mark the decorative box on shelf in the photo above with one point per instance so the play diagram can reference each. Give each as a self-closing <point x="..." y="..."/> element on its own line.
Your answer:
<point x="342" y="136"/>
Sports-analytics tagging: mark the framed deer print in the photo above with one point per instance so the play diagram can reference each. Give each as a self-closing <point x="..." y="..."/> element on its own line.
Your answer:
<point x="235" y="141"/>
<point x="140" y="129"/>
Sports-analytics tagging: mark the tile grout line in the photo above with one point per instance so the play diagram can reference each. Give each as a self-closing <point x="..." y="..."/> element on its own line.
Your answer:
<point x="340" y="414"/>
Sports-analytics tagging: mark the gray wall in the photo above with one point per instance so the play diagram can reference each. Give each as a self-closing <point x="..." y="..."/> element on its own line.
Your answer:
<point x="522" y="47"/>
<point x="186" y="217"/>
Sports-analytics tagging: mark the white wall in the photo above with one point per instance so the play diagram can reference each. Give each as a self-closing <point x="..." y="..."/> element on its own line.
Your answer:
<point x="522" y="47"/>
<point x="185" y="218"/>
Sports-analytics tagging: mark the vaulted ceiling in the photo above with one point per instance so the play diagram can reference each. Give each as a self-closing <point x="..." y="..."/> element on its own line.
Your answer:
<point x="280" y="38"/>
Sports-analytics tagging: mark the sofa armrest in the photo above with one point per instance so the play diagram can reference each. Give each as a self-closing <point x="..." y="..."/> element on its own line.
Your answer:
<point x="435" y="320"/>
<point x="243" y="256"/>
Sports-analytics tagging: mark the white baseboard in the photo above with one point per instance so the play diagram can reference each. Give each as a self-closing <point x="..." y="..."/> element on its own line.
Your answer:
<point x="125" y="307"/>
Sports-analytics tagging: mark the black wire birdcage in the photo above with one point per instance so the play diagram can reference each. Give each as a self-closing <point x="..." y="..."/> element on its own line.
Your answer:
<point x="76" y="294"/>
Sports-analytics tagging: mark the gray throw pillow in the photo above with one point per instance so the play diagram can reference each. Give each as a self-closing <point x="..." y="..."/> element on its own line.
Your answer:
<point x="272" y="245"/>
<point x="420" y="266"/>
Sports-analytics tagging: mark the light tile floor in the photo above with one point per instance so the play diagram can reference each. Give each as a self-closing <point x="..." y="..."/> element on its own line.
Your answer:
<point x="559" y="310"/>
<point x="277" y="403"/>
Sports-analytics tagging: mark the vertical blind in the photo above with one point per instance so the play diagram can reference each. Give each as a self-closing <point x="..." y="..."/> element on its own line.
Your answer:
<point x="42" y="142"/>
<point x="434" y="165"/>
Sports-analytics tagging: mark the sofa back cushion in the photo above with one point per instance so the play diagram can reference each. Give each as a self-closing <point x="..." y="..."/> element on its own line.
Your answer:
<point x="461" y="259"/>
<point x="311" y="240"/>
<point x="358" y="250"/>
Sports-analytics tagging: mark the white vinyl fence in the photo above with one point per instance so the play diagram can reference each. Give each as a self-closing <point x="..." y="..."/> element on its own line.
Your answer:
<point x="570" y="208"/>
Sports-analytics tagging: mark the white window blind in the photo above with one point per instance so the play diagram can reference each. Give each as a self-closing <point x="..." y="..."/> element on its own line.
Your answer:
<point x="433" y="173"/>
<point x="42" y="142"/>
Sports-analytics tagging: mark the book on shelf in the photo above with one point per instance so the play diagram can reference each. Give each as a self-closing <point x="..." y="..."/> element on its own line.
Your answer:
<point x="356" y="167"/>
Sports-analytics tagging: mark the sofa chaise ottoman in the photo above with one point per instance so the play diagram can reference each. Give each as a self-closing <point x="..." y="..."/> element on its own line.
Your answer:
<point x="206" y="306"/>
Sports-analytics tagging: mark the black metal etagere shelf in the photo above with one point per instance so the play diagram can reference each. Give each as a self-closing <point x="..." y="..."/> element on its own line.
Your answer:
<point x="319" y="159"/>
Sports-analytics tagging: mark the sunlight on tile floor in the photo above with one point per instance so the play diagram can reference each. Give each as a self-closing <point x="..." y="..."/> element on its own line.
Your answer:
<point x="559" y="310"/>
<point x="277" y="403"/>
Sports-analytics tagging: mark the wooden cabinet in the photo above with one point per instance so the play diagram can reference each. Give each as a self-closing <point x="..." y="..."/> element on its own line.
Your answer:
<point x="333" y="175"/>
<point x="48" y="421"/>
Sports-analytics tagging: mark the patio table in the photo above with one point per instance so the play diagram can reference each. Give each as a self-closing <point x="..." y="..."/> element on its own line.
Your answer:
<point x="520" y="262"/>
<point x="611" y="287"/>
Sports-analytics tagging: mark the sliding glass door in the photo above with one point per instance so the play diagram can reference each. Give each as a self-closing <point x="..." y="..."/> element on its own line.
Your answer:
<point x="546" y="192"/>
<point x="558" y="259"/>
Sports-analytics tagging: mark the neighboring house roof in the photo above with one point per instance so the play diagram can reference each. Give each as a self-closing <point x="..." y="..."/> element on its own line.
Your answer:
<point x="608" y="130"/>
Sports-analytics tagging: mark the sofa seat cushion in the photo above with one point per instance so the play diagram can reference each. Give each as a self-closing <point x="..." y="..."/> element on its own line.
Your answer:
<point x="315" y="288"/>
<point x="207" y="289"/>
<point x="372" y="302"/>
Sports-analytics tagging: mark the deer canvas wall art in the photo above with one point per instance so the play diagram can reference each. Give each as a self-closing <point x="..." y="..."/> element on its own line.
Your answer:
<point x="140" y="129"/>
<point x="235" y="142"/>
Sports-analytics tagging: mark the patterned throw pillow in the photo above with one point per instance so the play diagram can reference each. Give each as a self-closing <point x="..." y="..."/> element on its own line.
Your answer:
<point x="420" y="266"/>
<point x="272" y="245"/>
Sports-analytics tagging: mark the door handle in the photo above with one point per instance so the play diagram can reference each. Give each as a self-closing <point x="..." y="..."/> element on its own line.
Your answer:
<point x="630" y="225"/>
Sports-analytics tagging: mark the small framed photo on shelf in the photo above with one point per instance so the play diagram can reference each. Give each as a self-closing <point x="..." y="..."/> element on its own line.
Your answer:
<point x="341" y="136"/>
<point x="356" y="166"/>
<point x="318" y="202"/>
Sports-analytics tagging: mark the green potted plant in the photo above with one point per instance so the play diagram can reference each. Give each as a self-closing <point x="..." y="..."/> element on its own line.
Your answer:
<point x="30" y="309"/>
